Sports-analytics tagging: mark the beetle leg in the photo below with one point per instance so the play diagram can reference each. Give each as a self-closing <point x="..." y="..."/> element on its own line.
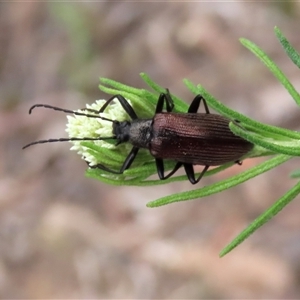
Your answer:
<point x="104" y="105"/>
<point x="169" y="101"/>
<point x="239" y="162"/>
<point x="190" y="173"/>
<point x="161" y="169"/>
<point x="127" y="107"/>
<point x="126" y="165"/>
<point x="196" y="103"/>
<point x="161" y="100"/>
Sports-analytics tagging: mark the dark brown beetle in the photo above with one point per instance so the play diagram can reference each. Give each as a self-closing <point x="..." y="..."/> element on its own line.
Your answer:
<point x="190" y="138"/>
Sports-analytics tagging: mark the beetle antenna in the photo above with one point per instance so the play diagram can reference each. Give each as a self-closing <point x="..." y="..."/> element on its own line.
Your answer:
<point x="68" y="140"/>
<point x="68" y="111"/>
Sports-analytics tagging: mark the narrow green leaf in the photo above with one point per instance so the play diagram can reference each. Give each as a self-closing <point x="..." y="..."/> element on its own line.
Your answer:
<point x="295" y="174"/>
<point x="273" y="68"/>
<point x="291" y="147"/>
<point x="288" y="48"/>
<point x="121" y="87"/>
<point x="263" y="218"/>
<point x="222" y="185"/>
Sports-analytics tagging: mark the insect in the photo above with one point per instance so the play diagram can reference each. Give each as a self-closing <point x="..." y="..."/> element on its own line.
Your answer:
<point x="189" y="139"/>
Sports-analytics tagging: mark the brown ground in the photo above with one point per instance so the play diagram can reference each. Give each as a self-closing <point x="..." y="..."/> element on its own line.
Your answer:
<point x="65" y="236"/>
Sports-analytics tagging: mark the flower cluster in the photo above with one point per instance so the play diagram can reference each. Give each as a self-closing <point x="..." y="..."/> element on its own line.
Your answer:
<point x="87" y="127"/>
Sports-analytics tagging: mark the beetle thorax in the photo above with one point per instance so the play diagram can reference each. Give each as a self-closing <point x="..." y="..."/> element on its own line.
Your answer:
<point x="137" y="132"/>
<point x="140" y="133"/>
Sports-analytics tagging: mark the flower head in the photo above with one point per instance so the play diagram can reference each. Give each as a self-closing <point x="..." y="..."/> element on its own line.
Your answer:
<point x="88" y="127"/>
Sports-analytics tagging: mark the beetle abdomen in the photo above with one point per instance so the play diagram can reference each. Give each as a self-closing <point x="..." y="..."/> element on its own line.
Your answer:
<point x="198" y="139"/>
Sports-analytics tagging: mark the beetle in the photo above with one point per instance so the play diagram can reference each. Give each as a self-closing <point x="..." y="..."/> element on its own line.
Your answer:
<point x="189" y="139"/>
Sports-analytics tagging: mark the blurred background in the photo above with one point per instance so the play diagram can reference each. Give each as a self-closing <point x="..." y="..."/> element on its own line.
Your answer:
<point x="66" y="236"/>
